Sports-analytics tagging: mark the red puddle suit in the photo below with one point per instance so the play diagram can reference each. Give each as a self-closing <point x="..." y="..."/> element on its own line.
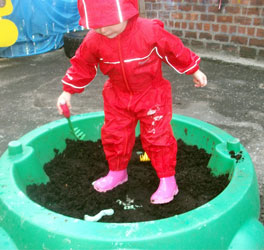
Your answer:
<point x="136" y="90"/>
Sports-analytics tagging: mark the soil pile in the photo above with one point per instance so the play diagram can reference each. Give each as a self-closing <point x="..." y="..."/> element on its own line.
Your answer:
<point x="70" y="191"/>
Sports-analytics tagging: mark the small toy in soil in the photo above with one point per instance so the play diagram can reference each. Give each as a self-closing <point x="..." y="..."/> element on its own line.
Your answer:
<point x="98" y="216"/>
<point x="144" y="157"/>
<point x="78" y="134"/>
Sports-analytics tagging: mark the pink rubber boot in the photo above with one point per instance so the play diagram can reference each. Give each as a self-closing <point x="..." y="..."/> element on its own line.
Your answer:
<point x="166" y="191"/>
<point x="110" y="181"/>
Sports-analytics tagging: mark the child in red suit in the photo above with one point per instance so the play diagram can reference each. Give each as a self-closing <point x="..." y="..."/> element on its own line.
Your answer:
<point x="130" y="50"/>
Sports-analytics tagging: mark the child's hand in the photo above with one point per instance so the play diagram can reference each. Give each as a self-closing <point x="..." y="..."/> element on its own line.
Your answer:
<point x="200" y="79"/>
<point x="64" y="97"/>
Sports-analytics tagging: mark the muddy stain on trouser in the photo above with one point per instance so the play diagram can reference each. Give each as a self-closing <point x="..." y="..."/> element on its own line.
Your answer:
<point x="153" y="108"/>
<point x="158" y="141"/>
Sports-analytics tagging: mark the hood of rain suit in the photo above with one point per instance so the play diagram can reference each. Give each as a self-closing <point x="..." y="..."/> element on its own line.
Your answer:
<point x="100" y="13"/>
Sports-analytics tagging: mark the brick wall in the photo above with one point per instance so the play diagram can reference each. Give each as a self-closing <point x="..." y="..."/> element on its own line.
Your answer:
<point x="236" y="29"/>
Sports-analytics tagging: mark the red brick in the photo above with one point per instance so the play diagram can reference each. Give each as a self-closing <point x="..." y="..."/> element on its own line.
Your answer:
<point x="256" y="42"/>
<point x="205" y="35"/>
<point x="177" y="24"/>
<point x="177" y="15"/>
<point x="205" y="17"/>
<point x="190" y="34"/>
<point x="191" y="16"/>
<point x="232" y="29"/>
<point x="156" y="6"/>
<point x="163" y="15"/>
<point x="251" y="11"/>
<point x="261" y="54"/>
<point x="191" y="1"/>
<point x="185" y="7"/>
<point x="256" y="2"/>
<point x="250" y="31"/>
<point x="152" y="14"/>
<point x="260" y="32"/>
<point x="213" y="9"/>
<point x="224" y="28"/>
<point x="170" y="23"/>
<point x="186" y="42"/>
<point x="178" y="33"/>
<point x="207" y="27"/>
<point x="197" y="44"/>
<point x="243" y="20"/>
<point x="233" y="9"/>
<point x="215" y="27"/>
<point x="170" y="7"/>
<point x="191" y="26"/>
<point x="184" y="25"/>
<point x="230" y="48"/>
<point x="221" y="38"/>
<point x="239" y="39"/>
<point x="148" y="6"/>
<point x="210" y="2"/>
<point x="199" y="26"/>
<point x="258" y="21"/>
<point x="248" y="52"/>
<point x="241" y="30"/>
<point x="200" y="8"/>
<point x="224" y="19"/>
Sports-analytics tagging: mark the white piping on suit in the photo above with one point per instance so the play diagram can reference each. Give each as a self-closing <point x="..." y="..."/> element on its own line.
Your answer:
<point x="136" y="59"/>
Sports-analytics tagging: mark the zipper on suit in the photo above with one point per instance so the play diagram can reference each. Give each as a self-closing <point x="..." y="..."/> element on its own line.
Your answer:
<point x="128" y="88"/>
<point x="124" y="74"/>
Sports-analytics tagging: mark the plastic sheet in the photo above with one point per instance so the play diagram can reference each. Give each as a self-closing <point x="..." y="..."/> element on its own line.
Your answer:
<point x="41" y="25"/>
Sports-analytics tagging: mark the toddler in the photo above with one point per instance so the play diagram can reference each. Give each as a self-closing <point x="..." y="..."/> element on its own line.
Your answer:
<point x="130" y="51"/>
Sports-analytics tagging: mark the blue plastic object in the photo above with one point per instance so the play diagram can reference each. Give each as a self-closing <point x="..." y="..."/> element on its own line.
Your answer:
<point x="41" y="25"/>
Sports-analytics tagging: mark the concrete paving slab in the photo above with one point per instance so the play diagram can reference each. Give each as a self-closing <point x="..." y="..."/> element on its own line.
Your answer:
<point x="233" y="99"/>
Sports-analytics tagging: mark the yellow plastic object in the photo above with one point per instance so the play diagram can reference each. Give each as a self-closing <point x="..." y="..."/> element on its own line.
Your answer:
<point x="8" y="30"/>
<point x="8" y="33"/>
<point x="144" y="157"/>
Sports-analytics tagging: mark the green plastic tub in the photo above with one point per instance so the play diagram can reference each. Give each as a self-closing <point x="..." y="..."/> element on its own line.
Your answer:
<point x="229" y="221"/>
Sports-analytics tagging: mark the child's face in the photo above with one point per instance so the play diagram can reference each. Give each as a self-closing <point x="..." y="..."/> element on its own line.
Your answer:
<point x="112" y="30"/>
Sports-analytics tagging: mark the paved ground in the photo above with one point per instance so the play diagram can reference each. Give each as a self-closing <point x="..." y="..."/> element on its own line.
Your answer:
<point x="233" y="99"/>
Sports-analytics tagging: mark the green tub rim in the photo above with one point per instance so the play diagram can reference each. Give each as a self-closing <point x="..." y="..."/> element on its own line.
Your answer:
<point x="14" y="204"/>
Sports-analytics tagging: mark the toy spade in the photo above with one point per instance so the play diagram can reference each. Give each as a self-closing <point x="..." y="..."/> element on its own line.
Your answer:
<point x="78" y="134"/>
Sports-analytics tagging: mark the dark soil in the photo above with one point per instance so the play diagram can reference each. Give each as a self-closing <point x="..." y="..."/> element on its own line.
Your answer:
<point x="70" y="191"/>
<point x="237" y="156"/>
